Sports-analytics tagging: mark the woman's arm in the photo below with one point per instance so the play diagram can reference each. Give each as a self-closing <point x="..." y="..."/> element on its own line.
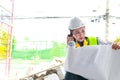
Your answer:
<point x="114" y="45"/>
<point x="101" y="42"/>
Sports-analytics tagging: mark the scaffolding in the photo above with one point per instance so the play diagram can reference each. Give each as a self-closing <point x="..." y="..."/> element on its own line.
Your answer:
<point x="6" y="25"/>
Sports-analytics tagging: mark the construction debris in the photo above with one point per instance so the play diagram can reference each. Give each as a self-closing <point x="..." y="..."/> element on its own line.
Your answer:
<point x="53" y="72"/>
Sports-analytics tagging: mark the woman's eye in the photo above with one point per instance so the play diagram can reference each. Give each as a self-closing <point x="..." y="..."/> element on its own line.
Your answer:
<point x="77" y="32"/>
<point x="83" y="31"/>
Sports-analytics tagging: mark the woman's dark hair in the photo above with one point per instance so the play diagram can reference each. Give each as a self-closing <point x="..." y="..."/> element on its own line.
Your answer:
<point x="70" y="33"/>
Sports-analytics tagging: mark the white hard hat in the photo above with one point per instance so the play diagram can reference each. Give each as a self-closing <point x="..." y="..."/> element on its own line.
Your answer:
<point x="75" y="23"/>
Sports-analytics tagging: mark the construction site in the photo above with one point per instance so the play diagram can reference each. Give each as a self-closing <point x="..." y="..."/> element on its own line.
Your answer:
<point x="33" y="34"/>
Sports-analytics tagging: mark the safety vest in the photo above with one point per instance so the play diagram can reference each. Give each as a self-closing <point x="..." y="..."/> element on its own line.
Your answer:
<point x="88" y="41"/>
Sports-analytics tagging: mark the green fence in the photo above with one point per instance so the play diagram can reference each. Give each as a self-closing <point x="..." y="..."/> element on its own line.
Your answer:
<point x="31" y="50"/>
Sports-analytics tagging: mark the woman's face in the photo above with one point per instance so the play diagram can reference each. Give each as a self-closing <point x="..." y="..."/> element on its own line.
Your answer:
<point x="79" y="34"/>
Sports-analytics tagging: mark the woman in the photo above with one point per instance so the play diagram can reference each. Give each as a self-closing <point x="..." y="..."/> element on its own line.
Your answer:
<point x="78" y="35"/>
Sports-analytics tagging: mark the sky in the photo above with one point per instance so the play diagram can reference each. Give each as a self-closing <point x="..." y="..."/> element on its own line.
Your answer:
<point x="63" y="7"/>
<point x="31" y="8"/>
<point x="57" y="7"/>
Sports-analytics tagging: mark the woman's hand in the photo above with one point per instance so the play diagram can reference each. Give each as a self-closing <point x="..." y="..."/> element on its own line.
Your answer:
<point x="69" y="38"/>
<point x="116" y="45"/>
